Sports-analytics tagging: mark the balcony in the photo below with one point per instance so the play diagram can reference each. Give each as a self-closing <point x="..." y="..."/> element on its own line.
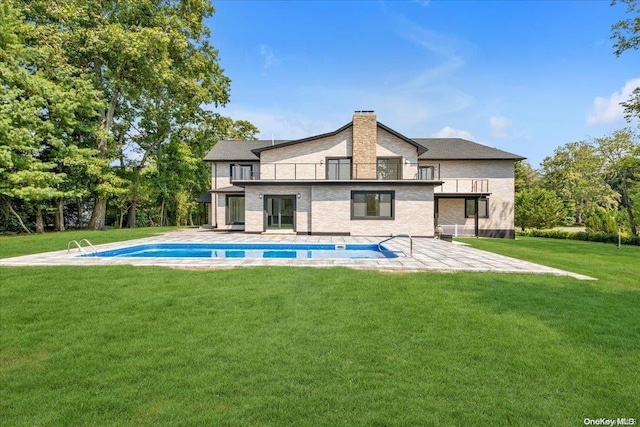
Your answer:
<point x="383" y="170"/>
<point x="463" y="185"/>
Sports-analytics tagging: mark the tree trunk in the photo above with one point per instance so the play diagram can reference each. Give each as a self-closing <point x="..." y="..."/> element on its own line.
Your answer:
<point x="24" y="227"/>
<point x="80" y="224"/>
<point x="131" y="214"/>
<point x="59" y="218"/>
<point x="39" y="221"/>
<point x="161" y="212"/>
<point x="98" y="216"/>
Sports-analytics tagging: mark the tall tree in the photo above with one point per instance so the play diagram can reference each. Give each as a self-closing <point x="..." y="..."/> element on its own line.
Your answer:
<point x="151" y="62"/>
<point x="626" y="34"/>
<point x="538" y="208"/>
<point x="43" y="101"/>
<point x="575" y="173"/>
<point x="621" y="154"/>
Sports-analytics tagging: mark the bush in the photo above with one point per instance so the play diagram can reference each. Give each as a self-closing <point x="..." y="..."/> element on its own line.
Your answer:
<point x="625" y="238"/>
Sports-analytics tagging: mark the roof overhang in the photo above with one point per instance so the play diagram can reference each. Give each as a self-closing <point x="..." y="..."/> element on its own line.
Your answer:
<point x="352" y="182"/>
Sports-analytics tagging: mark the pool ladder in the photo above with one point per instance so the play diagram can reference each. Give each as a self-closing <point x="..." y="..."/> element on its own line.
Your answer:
<point x="399" y="235"/>
<point x="79" y="246"/>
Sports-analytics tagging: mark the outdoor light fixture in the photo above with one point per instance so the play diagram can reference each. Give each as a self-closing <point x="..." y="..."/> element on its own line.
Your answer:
<point x="299" y="195"/>
<point x="259" y="195"/>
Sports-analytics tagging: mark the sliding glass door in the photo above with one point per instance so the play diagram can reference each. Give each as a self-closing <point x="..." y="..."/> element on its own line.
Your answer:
<point x="280" y="211"/>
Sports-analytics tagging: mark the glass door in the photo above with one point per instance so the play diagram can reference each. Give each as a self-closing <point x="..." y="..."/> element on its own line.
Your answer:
<point x="280" y="211"/>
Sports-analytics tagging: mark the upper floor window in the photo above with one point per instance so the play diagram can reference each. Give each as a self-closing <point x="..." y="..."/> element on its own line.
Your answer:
<point x="339" y="168"/>
<point x="241" y="172"/>
<point x="389" y="168"/>
<point x="426" y="172"/>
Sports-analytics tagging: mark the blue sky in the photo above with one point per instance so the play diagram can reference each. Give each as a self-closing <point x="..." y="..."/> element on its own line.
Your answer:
<point x="525" y="77"/>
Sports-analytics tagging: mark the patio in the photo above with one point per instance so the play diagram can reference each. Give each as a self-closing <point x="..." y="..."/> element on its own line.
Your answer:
<point x="428" y="255"/>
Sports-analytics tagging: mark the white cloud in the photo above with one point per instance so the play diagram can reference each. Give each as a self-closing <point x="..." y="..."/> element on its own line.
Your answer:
<point x="609" y="110"/>
<point x="449" y="132"/>
<point x="268" y="56"/>
<point x="423" y="3"/>
<point x="500" y="126"/>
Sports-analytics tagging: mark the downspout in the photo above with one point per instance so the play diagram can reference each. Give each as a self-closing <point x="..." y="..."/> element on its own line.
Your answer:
<point x="214" y="220"/>
<point x="476" y="215"/>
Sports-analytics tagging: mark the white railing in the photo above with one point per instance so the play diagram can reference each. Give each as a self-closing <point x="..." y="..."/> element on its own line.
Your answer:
<point x="456" y="230"/>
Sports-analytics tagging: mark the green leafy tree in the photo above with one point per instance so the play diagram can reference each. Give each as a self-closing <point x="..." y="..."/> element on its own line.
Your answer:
<point x="538" y="208"/>
<point x="151" y="63"/>
<point x="626" y="34"/>
<point x="576" y="174"/>
<point x="621" y="154"/>
<point x="525" y="176"/>
<point x="44" y="102"/>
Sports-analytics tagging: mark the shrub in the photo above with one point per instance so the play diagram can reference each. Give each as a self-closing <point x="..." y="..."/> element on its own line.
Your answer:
<point x="625" y="239"/>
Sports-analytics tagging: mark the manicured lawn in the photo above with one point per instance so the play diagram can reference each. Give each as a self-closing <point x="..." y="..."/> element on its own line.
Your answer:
<point x="123" y="345"/>
<point x="11" y="246"/>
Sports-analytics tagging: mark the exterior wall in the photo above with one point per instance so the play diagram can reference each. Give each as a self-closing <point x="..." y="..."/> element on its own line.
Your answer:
<point x="365" y="135"/>
<point x="310" y="157"/>
<point x="391" y="146"/>
<point x="220" y="175"/>
<point x="254" y="206"/>
<point x="413" y="211"/>
<point x="500" y="179"/>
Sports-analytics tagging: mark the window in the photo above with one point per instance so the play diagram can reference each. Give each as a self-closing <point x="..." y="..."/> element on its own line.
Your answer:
<point x="426" y="172"/>
<point x="372" y="204"/>
<point x="470" y="208"/>
<point x="235" y="210"/>
<point x="339" y="168"/>
<point x="389" y="168"/>
<point x="241" y="172"/>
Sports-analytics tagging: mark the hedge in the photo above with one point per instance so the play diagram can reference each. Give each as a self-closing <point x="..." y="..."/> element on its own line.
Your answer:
<point x="581" y="235"/>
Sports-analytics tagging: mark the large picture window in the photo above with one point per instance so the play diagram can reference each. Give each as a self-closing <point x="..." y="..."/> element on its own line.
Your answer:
<point x="372" y="204"/>
<point x="339" y="169"/>
<point x="389" y="168"/>
<point x="235" y="210"/>
<point x="470" y="208"/>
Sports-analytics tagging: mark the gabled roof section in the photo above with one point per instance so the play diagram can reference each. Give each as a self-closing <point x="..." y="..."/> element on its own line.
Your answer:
<point x="461" y="149"/>
<point x="257" y="151"/>
<point x="421" y="149"/>
<point x="238" y="150"/>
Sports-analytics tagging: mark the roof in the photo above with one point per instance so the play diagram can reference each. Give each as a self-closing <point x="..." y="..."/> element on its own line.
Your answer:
<point x="238" y="150"/>
<point x="428" y="148"/>
<point x="461" y="149"/>
<point x="419" y="147"/>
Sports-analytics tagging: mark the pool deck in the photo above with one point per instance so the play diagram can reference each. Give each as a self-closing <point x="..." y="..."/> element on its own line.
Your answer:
<point x="428" y="255"/>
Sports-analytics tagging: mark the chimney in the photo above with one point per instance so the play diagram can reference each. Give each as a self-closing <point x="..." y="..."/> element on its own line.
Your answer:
<point x="365" y="138"/>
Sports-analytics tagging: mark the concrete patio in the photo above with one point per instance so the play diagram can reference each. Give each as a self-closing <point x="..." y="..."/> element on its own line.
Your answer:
<point x="428" y="255"/>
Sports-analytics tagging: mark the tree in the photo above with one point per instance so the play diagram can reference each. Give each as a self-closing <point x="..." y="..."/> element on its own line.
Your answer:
<point x="575" y="173"/>
<point x="538" y="208"/>
<point x="626" y="33"/>
<point x="621" y="153"/>
<point x="43" y="102"/>
<point x="525" y="176"/>
<point x="151" y="63"/>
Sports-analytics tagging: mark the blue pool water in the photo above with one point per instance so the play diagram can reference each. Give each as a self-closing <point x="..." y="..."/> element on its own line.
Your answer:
<point x="250" y="250"/>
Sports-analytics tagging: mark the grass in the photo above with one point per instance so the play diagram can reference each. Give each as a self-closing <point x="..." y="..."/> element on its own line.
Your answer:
<point x="11" y="246"/>
<point x="603" y="261"/>
<point x="131" y="346"/>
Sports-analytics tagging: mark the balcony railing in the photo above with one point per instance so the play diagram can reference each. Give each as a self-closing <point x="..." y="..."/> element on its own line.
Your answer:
<point x="336" y="172"/>
<point x="463" y="185"/>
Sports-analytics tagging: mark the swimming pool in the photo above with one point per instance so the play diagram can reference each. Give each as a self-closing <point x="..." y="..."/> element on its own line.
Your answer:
<point x="250" y="250"/>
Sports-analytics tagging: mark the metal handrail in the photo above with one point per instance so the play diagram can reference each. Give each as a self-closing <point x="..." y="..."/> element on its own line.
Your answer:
<point x="399" y="235"/>
<point x="79" y="246"/>
<point x="90" y="245"/>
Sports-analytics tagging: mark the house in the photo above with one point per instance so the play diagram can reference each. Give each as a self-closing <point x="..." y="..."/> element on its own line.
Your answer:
<point x="362" y="179"/>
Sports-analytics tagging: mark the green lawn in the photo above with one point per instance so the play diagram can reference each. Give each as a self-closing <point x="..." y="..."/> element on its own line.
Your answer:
<point x="124" y="345"/>
<point x="11" y="246"/>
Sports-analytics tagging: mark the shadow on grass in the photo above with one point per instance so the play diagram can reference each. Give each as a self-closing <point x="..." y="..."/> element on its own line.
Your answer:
<point x="586" y="314"/>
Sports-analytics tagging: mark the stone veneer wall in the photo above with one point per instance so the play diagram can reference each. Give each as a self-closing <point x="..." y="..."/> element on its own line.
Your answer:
<point x="365" y="132"/>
